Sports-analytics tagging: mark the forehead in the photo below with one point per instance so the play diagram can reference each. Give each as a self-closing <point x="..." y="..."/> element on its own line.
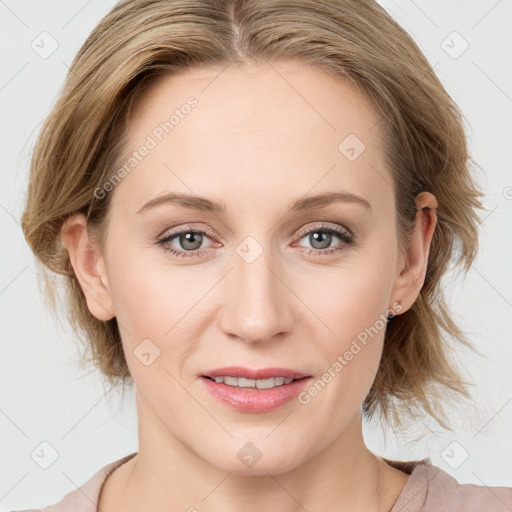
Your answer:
<point x="256" y="128"/>
<point x="258" y="98"/>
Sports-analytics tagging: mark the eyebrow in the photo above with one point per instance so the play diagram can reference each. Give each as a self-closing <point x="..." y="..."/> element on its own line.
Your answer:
<point x="197" y="203"/>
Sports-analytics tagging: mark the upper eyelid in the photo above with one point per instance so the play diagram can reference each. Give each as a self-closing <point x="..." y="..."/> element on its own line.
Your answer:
<point x="324" y="226"/>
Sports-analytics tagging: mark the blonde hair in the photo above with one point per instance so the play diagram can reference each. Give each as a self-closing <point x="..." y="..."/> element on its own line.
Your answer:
<point x="425" y="148"/>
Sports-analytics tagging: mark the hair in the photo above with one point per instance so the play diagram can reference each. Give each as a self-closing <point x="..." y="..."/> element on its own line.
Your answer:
<point x="424" y="143"/>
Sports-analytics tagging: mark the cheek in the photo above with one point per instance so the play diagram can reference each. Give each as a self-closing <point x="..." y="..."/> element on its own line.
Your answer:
<point x="355" y="312"/>
<point x="151" y="305"/>
<point x="353" y="298"/>
<point x="352" y="307"/>
<point x="137" y="292"/>
<point x="154" y="299"/>
<point x="145" y="300"/>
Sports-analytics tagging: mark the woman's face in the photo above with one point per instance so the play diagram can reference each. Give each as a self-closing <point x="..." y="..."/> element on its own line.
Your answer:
<point x="258" y="281"/>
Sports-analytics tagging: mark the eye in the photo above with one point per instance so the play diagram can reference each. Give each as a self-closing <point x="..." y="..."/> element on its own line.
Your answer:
<point x="189" y="239"/>
<point x="320" y="238"/>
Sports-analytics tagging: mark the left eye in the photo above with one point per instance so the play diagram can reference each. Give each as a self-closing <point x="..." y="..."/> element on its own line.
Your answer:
<point x="326" y="234"/>
<point x="191" y="241"/>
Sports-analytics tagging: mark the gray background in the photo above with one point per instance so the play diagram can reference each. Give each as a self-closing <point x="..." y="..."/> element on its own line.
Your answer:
<point x="45" y="397"/>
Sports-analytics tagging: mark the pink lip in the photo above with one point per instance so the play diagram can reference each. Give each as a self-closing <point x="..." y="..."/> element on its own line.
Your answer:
<point x="251" y="399"/>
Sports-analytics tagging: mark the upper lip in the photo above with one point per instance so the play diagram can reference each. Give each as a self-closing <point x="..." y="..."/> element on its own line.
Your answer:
<point x="250" y="373"/>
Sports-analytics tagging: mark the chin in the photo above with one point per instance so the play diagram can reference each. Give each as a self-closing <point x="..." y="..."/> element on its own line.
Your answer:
<point x="259" y="457"/>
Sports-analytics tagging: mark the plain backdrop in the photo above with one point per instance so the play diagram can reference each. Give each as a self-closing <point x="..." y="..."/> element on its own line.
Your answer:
<point x="45" y="398"/>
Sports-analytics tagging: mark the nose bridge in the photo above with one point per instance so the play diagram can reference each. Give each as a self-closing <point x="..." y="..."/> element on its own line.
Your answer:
<point x="257" y="305"/>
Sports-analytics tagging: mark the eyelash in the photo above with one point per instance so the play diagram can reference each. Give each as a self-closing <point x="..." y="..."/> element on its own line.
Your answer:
<point x="346" y="236"/>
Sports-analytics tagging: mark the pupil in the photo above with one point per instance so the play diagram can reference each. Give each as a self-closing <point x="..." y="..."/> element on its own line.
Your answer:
<point x="325" y="239"/>
<point x="188" y="238"/>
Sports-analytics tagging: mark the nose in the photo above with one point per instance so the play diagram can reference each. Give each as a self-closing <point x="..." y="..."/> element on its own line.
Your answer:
<point x="258" y="303"/>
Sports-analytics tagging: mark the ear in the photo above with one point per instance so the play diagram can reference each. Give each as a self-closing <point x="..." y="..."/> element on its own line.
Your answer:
<point x="413" y="264"/>
<point x="88" y="265"/>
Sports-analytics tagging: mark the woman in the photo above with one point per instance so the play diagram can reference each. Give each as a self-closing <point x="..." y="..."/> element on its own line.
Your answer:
<point x="253" y="204"/>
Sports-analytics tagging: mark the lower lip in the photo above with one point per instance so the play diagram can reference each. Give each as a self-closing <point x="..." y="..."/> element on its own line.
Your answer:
<point x="255" y="400"/>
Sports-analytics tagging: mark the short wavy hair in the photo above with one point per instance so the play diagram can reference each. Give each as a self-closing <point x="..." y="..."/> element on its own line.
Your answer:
<point x="424" y="142"/>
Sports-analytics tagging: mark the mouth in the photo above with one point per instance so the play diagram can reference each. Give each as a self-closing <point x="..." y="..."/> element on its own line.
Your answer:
<point x="254" y="390"/>
<point x="264" y="378"/>
<point x="242" y="382"/>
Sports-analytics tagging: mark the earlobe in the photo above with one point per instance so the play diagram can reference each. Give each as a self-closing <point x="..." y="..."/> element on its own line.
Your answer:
<point x="88" y="266"/>
<point x="411" y="276"/>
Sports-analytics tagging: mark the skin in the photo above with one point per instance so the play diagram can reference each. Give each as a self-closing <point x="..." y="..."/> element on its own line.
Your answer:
<point x="261" y="137"/>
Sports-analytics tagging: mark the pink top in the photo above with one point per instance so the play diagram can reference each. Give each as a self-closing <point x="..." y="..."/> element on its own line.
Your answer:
<point x="429" y="489"/>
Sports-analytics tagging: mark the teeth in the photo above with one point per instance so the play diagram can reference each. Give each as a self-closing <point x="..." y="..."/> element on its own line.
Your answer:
<point x="254" y="383"/>
<point x="231" y="381"/>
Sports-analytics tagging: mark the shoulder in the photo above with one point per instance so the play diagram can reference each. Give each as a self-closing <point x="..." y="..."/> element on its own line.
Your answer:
<point x="85" y="497"/>
<point x="444" y="490"/>
<point x="431" y="489"/>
